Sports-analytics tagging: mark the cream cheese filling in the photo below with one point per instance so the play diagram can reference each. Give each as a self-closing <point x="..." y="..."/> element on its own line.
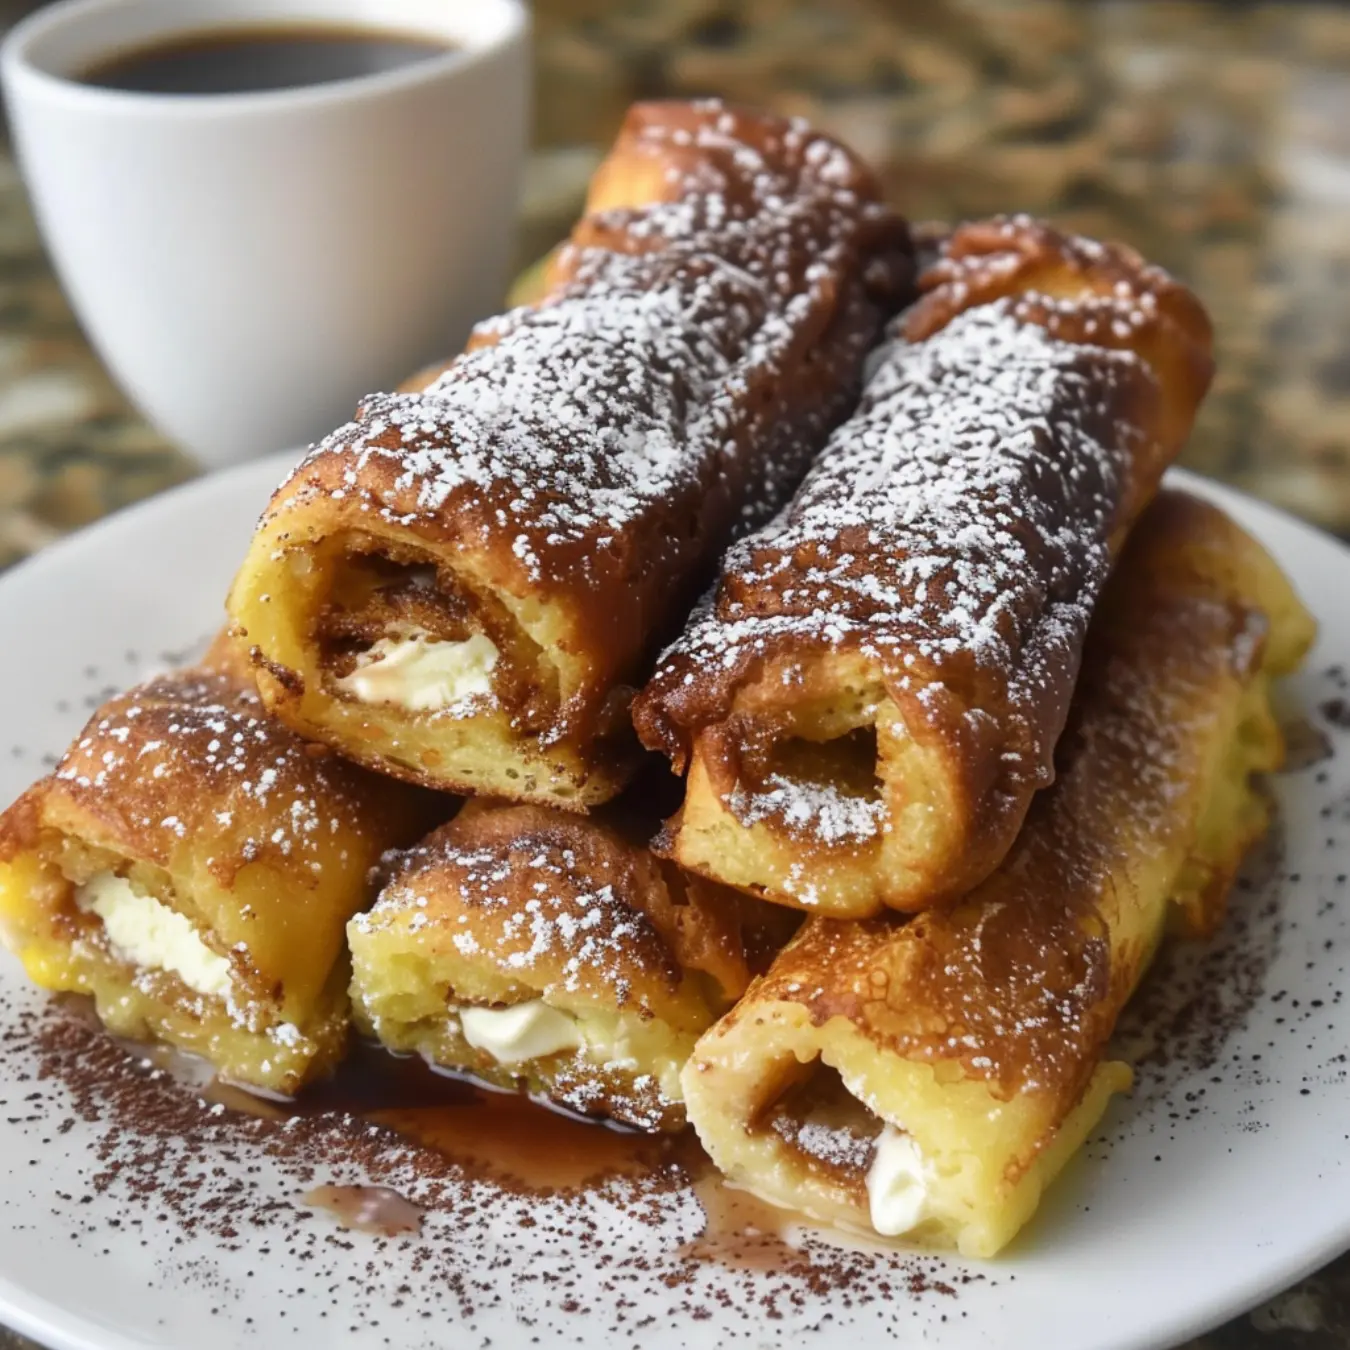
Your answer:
<point x="145" y="933"/>
<point x="422" y="673"/>
<point x="608" y="1040"/>
<point x="521" y="1032"/>
<point x="898" y="1184"/>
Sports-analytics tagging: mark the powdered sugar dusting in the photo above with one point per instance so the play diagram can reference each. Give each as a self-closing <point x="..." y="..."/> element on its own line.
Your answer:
<point x="511" y="904"/>
<point x="814" y="809"/>
<point x="191" y="745"/>
<point x="1153" y="806"/>
<point x="580" y="931"/>
<point x="533" y="914"/>
<point x="656" y="376"/>
<point x="1119" y="299"/>
<point x="961" y="521"/>
<point x="835" y="1145"/>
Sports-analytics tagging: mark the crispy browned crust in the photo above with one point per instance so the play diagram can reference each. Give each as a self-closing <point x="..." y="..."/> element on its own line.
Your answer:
<point x="667" y="152"/>
<point x="774" y="238"/>
<point x="652" y="922"/>
<point x="972" y="636"/>
<point x="1104" y="283"/>
<point x="165" y="761"/>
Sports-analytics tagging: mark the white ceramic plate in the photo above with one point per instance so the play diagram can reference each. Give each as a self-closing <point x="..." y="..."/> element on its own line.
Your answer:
<point x="1223" y="1179"/>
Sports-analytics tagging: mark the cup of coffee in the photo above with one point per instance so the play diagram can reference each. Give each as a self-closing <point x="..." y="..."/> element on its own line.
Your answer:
<point x="264" y="209"/>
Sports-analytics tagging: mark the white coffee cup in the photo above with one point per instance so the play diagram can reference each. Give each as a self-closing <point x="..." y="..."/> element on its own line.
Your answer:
<point x="250" y="265"/>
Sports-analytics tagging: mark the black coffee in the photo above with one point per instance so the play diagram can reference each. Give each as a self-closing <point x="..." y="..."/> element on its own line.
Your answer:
<point x="251" y="60"/>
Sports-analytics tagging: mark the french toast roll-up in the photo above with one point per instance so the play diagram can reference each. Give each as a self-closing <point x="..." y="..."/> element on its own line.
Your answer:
<point x="550" y="952"/>
<point x="463" y="586"/>
<point x="868" y="699"/>
<point x="192" y="864"/>
<point x="928" y="1077"/>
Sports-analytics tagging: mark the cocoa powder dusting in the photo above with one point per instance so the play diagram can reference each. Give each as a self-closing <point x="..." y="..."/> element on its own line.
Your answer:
<point x="1188" y="1030"/>
<point x="1198" y="994"/>
<point x="172" y="1158"/>
<point x="1305" y="744"/>
<point x="1337" y="712"/>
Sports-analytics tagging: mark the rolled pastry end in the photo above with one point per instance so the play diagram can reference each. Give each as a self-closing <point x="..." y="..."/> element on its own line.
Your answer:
<point x="541" y="951"/>
<point x="192" y="864"/>
<point x="412" y="661"/>
<point x="462" y="585"/>
<point x="817" y="1118"/>
<point x="839" y="808"/>
<point x="88" y="920"/>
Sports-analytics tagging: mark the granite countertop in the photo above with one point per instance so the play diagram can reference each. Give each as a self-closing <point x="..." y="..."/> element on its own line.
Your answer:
<point x="1216" y="138"/>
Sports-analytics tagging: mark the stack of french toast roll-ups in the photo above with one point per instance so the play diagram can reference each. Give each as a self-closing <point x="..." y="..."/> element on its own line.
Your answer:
<point x="871" y="551"/>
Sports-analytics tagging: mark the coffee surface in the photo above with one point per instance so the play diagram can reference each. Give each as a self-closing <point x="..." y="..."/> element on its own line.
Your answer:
<point x="258" y="59"/>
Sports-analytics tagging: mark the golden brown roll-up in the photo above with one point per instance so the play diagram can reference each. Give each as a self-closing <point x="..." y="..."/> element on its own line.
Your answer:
<point x="192" y="864"/>
<point x="551" y="952"/>
<point x="873" y="694"/>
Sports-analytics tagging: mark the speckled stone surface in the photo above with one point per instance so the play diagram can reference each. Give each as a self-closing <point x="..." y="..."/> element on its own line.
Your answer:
<point x="1215" y="138"/>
